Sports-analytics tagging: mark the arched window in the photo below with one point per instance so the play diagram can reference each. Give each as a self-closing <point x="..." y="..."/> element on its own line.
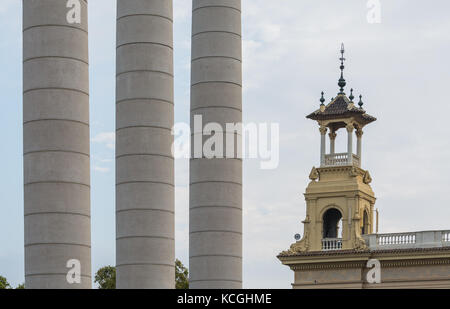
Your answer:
<point x="332" y="224"/>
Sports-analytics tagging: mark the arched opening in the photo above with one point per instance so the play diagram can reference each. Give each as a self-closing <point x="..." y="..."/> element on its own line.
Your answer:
<point x="332" y="224"/>
<point x="365" y="227"/>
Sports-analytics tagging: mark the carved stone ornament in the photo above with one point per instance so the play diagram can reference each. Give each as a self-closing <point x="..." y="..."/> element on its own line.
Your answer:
<point x="359" y="133"/>
<point x="314" y="175"/>
<point x="300" y="246"/>
<point x="359" y="243"/>
<point x="367" y="178"/>
<point x="353" y="172"/>
<point x="350" y="127"/>
<point x="307" y="220"/>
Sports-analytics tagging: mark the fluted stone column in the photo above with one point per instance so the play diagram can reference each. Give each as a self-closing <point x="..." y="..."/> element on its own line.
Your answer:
<point x="215" y="239"/>
<point x="56" y="145"/>
<point x="144" y="162"/>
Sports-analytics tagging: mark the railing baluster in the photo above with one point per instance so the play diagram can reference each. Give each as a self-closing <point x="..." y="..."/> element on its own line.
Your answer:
<point x="329" y="244"/>
<point x="404" y="238"/>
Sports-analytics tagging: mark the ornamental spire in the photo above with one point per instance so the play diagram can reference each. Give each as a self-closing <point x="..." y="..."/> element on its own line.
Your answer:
<point x="342" y="81"/>
<point x="361" y="103"/>
<point x="351" y="97"/>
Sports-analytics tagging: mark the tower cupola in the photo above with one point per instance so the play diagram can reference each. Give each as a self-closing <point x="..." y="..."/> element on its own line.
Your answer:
<point x="339" y="198"/>
<point x="341" y="113"/>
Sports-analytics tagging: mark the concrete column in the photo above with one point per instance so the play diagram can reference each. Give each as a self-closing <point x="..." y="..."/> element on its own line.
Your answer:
<point x="215" y="231"/>
<point x="350" y="129"/>
<point x="56" y="145"/>
<point x="323" y="132"/>
<point x="145" y="247"/>
<point x="359" y="134"/>
<point x="332" y="136"/>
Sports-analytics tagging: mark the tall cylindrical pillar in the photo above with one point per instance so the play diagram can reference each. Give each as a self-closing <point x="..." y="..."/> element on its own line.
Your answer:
<point x="56" y="144"/>
<point x="145" y="246"/>
<point x="215" y="231"/>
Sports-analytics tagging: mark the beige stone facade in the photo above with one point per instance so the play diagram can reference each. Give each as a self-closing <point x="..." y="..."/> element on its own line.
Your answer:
<point x="347" y="269"/>
<point x="346" y="189"/>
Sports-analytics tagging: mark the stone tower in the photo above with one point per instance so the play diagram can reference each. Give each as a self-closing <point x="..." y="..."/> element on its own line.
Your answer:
<point x="56" y="144"/>
<point x="215" y="205"/>
<point x="339" y="199"/>
<point x="145" y="223"/>
<point x="339" y="249"/>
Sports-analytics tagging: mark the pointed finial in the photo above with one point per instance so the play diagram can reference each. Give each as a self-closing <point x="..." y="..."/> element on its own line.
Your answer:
<point x="360" y="102"/>
<point x="332" y="99"/>
<point x="342" y="81"/>
<point x="322" y="99"/>
<point x="351" y="97"/>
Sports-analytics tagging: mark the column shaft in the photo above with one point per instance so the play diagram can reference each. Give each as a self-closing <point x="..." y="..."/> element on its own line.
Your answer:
<point x="332" y="136"/>
<point x="322" y="149"/>
<point x="215" y="239"/>
<point x="350" y="143"/>
<point x="56" y="145"/>
<point x="359" y="134"/>
<point x="145" y="246"/>
<point x="323" y="132"/>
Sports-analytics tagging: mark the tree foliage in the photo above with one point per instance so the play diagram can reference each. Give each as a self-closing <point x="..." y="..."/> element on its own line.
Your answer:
<point x="106" y="278"/>
<point x="4" y="284"/>
<point x="181" y="276"/>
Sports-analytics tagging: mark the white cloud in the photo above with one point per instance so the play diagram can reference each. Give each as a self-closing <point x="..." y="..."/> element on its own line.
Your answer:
<point x="101" y="169"/>
<point x="106" y="138"/>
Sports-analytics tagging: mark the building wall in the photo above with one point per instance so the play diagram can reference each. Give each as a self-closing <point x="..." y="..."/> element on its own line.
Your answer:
<point x="399" y="273"/>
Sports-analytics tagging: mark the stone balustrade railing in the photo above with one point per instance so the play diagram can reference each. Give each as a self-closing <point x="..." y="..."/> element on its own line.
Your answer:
<point x="425" y="239"/>
<point x="330" y="244"/>
<point x="446" y="236"/>
<point x="340" y="159"/>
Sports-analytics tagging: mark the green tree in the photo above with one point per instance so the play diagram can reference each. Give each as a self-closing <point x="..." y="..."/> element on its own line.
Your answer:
<point x="181" y="276"/>
<point x="21" y="286"/>
<point x="4" y="283"/>
<point x="106" y="278"/>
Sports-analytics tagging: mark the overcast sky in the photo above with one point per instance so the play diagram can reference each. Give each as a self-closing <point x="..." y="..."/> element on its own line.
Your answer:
<point x="291" y="51"/>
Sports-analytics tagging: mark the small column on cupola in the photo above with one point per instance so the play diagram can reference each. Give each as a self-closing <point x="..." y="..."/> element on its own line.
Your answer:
<point x="332" y="136"/>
